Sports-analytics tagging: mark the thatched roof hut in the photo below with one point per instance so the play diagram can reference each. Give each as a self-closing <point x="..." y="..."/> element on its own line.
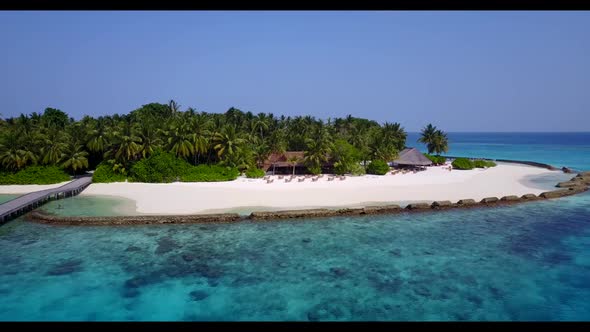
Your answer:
<point x="282" y="159"/>
<point x="412" y="157"/>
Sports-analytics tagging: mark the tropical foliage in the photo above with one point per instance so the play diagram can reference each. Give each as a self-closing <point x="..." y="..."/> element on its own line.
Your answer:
<point x="160" y="167"/>
<point x="104" y="173"/>
<point x="209" y="173"/>
<point x="234" y="140"/>
<point x="463" y="163"/>
<point x="378" y="167"/>
<point x="255" y="173"/>
<point x="436" y="140"/>
<point x="437" y="160"/>
<point x="483" y="163"/>
<point x="35" y="175"/>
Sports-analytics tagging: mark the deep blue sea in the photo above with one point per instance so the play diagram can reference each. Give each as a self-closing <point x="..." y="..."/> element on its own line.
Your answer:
<point x="524" y="262"/>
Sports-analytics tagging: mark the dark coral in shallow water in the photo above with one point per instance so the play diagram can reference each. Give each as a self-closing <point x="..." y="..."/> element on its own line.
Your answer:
<point x="66" y="267"/>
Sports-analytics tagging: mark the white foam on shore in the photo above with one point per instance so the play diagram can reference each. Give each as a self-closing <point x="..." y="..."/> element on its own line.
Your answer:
<point x="436" y="183"/>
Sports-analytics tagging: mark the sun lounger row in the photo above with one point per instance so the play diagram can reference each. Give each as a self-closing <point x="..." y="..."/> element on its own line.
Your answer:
<point x="268" y="179"/>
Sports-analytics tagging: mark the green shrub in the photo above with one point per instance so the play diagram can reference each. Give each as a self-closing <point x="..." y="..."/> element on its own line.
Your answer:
<point x="378" y="167"/>
<point x="439" y="160"/>
<point x="104" y="174"/>
<point x="356" y="169"/>
<point x="35" y="175"/>
<point x="483" y="163"/>
<point x="209" y="173"/>
<point x="160" y="167"/>
<point x="255" y="173"/>
<point x="315" y="170"/>
<point x="463" y="163"/>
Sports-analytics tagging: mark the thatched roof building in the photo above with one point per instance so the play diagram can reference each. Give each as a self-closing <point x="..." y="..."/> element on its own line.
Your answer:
<point x="279" y="163"/>
<point x="412" y="157"/>
<point x="282" y="159"/>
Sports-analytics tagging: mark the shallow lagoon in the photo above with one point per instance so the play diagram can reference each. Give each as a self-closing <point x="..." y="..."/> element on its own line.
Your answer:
<point x="6" y="197"/>
<point x="524" y="262"/>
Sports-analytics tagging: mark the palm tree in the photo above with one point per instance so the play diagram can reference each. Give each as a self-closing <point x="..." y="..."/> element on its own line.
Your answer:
<point x="227" y="142"/>
<point x="395" y="133"/>
<point x="53" y="152"/>
<point x="440" y="143"/>
<point x="98" y="141"/>
<point x="173" y="106"/>
<point x="427" y="136"/>
<point x="260" y="123"/>
<point x="126" y="144"/>
<point x="180" y="140"/>
<point x="150" y="140"/>
<point x="198" y="126"/>
<point x="14" y="155"/>
<point x="76" y="158"/>
<point x="293" y="160"/>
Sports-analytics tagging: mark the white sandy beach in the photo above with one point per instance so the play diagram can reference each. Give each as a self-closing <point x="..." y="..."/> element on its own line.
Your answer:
<point x="436" y="183"/>
<point x="24" y="189"/>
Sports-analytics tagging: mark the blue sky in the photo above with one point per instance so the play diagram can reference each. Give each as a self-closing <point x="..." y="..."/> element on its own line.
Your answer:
<point x="462" y="71"/>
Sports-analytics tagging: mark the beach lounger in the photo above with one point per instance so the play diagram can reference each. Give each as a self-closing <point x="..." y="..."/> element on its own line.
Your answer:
<point x="300" y="180"/>
<point x="331" y="178"/>
<point x="281" y="177"/>
<point x="269" y="181"/>
<point x="314" y="179"/>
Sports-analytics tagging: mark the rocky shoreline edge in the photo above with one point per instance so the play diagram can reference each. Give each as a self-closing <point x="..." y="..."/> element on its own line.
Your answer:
<point x="576" y="185"/>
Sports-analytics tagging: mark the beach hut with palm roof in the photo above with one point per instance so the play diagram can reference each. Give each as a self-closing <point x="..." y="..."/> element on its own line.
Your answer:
<point x="412" y="157"/>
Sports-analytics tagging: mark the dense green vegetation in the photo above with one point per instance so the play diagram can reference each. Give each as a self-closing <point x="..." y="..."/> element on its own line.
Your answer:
<point x="160" y="167"/>
<point x="255" y="173"/>
<point x="483" y="163"/>
<point x="378" y="167"/>
<point x="104" y="173"/>
<point x="35" y="175"/>
<point x="437" y="160"/>
<point x="210" y="173"/>
<point x="229" y="142"/>
<point x="462" y="163"/>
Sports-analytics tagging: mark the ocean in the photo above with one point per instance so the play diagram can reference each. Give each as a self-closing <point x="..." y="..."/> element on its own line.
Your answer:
<point x="528" y="262"/>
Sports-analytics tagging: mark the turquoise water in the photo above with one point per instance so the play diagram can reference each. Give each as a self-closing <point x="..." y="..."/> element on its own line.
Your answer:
<point x="557" y="149"/>
<point x="7" y="197"/>
<point x="524" y="262"/>
<point x="90" y="206"/>
<point x="527" y="262"/>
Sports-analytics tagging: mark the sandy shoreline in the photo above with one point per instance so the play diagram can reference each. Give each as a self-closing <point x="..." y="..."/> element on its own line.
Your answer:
<point x="243" y="194"/>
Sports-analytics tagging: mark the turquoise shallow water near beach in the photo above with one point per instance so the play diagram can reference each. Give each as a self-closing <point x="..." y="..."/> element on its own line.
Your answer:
<point x="6" y="197"/>
<point x="90" y="206"/>
<point x="524" y="262"/>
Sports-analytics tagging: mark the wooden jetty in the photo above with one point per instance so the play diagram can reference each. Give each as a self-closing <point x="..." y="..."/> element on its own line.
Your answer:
<point x="22" y="204"/>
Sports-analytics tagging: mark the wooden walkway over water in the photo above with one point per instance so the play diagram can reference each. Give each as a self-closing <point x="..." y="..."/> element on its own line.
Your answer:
<point x="25" y="203"/>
